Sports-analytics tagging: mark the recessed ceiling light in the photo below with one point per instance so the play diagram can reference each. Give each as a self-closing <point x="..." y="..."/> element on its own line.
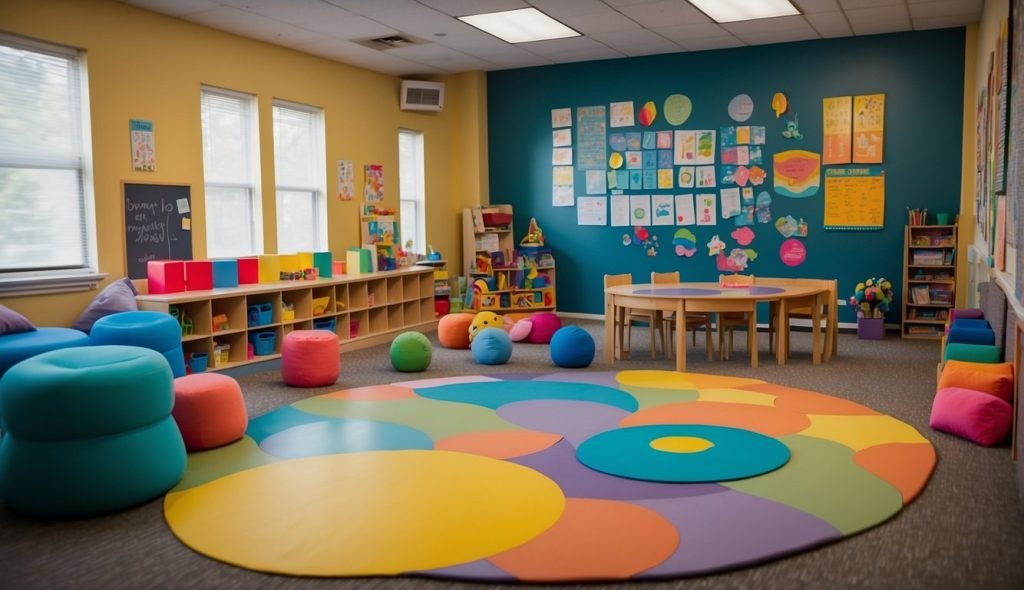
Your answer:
<point x="520" y="26"/>
<point x="730" y="11"/>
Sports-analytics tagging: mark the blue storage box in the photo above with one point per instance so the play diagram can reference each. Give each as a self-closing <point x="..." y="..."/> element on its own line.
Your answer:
<point x="325" y="324"/>
<point x="260" y="314"/>
<point x="225" y="273"/>
<point x="262" y="342"/>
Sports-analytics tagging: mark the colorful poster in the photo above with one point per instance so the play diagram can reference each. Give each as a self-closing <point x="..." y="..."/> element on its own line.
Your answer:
<point x="685" y="214"/>
<point x="661" y="206"/>
<point x="868" y="128"/>
<point x="596" y="182"/>
<point x="633" y="160"/>
<point x="855" y="198"/>
<point x="730" y="202"/>
<point x="640" y="210"/>
<point x="837" y="126"/>
<point x="706" y="146"/>
<point x="346" y="180"/>
<point x="591" y="138"/>
<point x="677" y="109"/>
<point x="143" y="148"/>
<point x="743" y="135"/>
<point x="561" y="117"/>
<point x="561" y="156"/>
<point x="373" y="183"/>
<point x="561" y="137"/>
<point x="592" y="211"/>
<point x="792" y="252"/>
<point x="621" y="114"/>
<point x="707" y="207"/>
<point x="620" y="210"/>
<point x="741" y="107"/>
<point x="797" y="173"/>
<point x="685" y="147"/>
<point x="562" y="191"/>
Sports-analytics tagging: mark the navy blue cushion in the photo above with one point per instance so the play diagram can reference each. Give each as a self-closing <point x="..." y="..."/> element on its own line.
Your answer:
<point x="971" y="336"/>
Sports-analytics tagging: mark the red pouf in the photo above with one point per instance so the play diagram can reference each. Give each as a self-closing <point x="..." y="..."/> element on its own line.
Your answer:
<point x="209" y="410"/>
<point x="310" y="358"/>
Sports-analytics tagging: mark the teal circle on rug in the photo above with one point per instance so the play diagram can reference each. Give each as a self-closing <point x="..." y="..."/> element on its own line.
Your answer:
<point x="680" y="453"/>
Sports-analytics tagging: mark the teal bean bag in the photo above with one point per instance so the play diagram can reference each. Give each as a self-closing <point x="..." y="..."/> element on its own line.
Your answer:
<point x="975" y="353"/>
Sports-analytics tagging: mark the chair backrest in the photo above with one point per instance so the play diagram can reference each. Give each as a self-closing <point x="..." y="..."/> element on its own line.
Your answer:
<point x="830" y="285"/>
<point x="616" y="280"/>
<point x="736" y="280"/>
<point x="665" y="277"/>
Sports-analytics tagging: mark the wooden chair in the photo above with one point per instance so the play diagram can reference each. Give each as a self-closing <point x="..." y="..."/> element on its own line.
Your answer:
<point x="728" y="321"/>
<point x="667" y="322"/>
<point x="804" y="310"/>
<point x="624" y="323"/>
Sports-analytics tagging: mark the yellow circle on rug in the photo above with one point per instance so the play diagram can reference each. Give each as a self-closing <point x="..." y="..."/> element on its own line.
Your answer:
<point x="681" y="444"/>
<point x="373" y="513"/>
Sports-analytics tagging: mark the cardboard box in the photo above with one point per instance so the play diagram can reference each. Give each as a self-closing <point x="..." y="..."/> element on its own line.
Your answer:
<point x="198" y="275"/>
<point x="165" y="276"/>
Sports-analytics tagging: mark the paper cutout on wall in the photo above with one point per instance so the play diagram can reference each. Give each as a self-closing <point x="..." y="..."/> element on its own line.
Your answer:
<point x="685" y="214"/>
<point x="743" y="236"/>
<point x="797" y="173"/>
<point x="684" y="242"/>
<point x="686" y="177"/>
<point x="373" y="182"/>
<point x="741" y="107"/>
<point x="737" y="260"/>
<point x="627" y="239"/>
<point x="677" y="109"/>
<point x="730" y="202"/>
<point x="790" y="227"/>
<point x="664" y="158"/>
<point x="619" y="210"/>
<point x="596" y="182"/>
<point x="684" y="147"/>
<point x="592" y="211"/>
<point x="868" y="128"/>
<point x="742" y="175"/>
<point x="746" y="216"/>
<point x="615" y="161"/>
<point x="633" y="160"/>
<point x="640" y="209"/>
<point x="561" y="156"/>
<point x="715" y="246"/>
<point x="633" y="140"/>
<point x="649" y="242"/>
<point x="707" y="206"/>
<point x="705" y="176"/>
<point x="792" y="130"/>
<point x="650" y="179"/>
<point x="727" y="136"/>
<point x="561" y="117"/>
<point x="763" y="208"/>
<point x="649" y="140"/>
<point x="664" y="212"/>
<point x="757" y="176"/>
<point x="620" y="114"/>
<point x="617" y="141"/>
<point x="665" y="178"/>
<point x="648" y="113"/>
<point x="792" y="252"/>
<point x="613" y="179"/>
<point x="664" y="140"/>
<point x="561" y="137"/>
<point x="779" y="104"/>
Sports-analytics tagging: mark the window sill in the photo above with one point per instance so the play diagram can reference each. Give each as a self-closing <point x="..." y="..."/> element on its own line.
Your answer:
<point x="45" y="285"/>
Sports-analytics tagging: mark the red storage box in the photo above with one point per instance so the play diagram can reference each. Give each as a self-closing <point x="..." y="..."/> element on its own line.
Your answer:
<point x="165" y="276"/>
<point x="198" y="275"/>
<point x="248" y="271"/>
<point x="495" y="219"/>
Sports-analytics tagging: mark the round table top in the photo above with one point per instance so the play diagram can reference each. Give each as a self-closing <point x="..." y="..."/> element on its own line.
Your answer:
<point x="777" y="290"/>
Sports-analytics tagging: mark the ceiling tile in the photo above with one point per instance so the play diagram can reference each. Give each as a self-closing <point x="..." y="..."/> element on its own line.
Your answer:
<point x="420" y="21"/>
<point x="940" y="22"/>
<point x="964" y="8"/>
<point x="600" y="22"/>
<point x="830" y="24"/>
<point x="351" y="27"/>
<point x="560" y="9"/>
<point x="174" y="7"/>
<point x="254" y="26"/>
<point x="575" y="47"/>
<point x="372" y="7"/>
<point x="714" y="43"/>
<point x="464" y="7"/>
<point x="637" y="42"/>
<point x="682" y="33"/>
<point x="300" y="11"/>
<point x="854" y="4"/>
<point x="665" y="13"/>
<point x="769" y="25"/>
<point x="621" y="3"/>
<point x="870" y="21"/>
<point x="813" y="6"/>
<point x="766" y="37"/>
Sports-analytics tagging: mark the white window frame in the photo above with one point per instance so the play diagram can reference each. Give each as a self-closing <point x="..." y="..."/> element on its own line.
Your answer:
<point x="419" y="198"/>
<point x="318" y="165"/>
<point x="251" y="184"/>
<point x="82" y="276"/>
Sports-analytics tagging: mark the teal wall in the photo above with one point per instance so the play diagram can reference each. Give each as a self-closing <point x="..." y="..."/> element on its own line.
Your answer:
<point x="921" y="74"/>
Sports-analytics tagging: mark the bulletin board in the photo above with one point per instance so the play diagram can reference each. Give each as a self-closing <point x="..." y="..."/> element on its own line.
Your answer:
<point x="855" y="198"/>
<point x="157" y="224"/>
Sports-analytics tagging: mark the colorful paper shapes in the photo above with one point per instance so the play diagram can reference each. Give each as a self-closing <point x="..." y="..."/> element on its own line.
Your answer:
<point x="741" y="107"/>
<point x="647" y="114"/>
<point x="797" y="173"/>
<point x="615" y="161"/>
<point x="792" y="252"/>
<point x="677" y="109"/>
<point x="737" y="260"/>
<point x="685" y="243"/>
<point x="790" y="227"/>
<point x="762" y="207"/>
<point x="793" y="129"/>
<point x="743" y="236"/>
<point x="779" y="104"/>
<point x="715" y="246"/>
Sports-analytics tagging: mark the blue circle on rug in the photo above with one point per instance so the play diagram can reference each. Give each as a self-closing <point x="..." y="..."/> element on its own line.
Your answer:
<point x="706" y="453"/>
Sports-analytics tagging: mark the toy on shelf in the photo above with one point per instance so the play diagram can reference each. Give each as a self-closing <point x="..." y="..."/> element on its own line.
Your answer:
<point x="534" y="237"/>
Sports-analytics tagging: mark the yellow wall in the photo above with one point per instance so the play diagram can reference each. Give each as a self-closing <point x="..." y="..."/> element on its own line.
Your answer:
<point x="143" y="65"/>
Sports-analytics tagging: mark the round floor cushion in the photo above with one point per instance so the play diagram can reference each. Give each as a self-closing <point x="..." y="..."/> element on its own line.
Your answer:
<point x="148" y="329"/>
<point x="410" y="352"/>
<point x="209" y="410"/>
<point x="17" y="347"/>
<point x="310" y="358"/>
<point x="453" y="330"/>
<point x="572" y="347"/>
<point x="492" y="346"/>
<point x="545" y="324"/>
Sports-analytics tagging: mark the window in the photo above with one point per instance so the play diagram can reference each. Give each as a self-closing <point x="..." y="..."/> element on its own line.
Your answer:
<point x="47" y="223"/>
<point x="234" y="222"/>
<point x="299" y="165"/>
<point x="411" y="192"/>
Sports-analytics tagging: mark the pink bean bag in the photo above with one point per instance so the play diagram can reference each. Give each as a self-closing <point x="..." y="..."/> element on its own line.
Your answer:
<point x="545" y="324"/>
<point x="209" y="410"/>
<point x="310" y="358"/>
<point x="979" y="417"/>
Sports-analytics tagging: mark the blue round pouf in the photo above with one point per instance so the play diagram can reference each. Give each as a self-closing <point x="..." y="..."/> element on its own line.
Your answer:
<point x="492" y="346"/>
<point x="572" y="347"/>
<point x="149" y="329"/>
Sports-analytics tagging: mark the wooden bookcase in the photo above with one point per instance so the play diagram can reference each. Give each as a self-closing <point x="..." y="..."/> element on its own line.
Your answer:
<point x="929" y="279"/>
<point x="482" y="237"/>
<point x="363" y="310"/>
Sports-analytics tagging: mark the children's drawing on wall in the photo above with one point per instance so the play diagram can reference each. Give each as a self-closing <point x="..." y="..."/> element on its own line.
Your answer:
<point x="758" y="135"/>
<point x="686" y="176"/>
<point x="634" y="140"/>
<point x="664" y="140"/>
<point x="615" y="161"/>
<point x="650" y="159"/>
<point x="741" y="107"/>
<point x="591" y="137"/>
<point x="736" y="261"/>
<point x="650" y="179"/>
<point x="596" y="182"/>
<point x="143" y="147"/>
<point x="684" y="148"/>
<point x="621" y="114"/>
<point x="677" y="109"/>
<point x="561" y="117"/>
<point x="685" y="214"/>
<point x="684" y="243"/>
<point x="715" y="246"/>
<point x="619" y="210"/>
<point x="706" y="209"/>
<point x="592" y="211"/>
<point x="665" y="179"/>
<point x="705" y="176"/>
<point x="647" y="115"/>
<point x="562" y="189"/>
<point x="346" y="180"/>
<point x="649" y="140"/>
<point x="746" y="216"/>
<point x="617" y="141"/>
<point x="743" y="236"/>
<point x="640" y="209"/>
<point x="662" y="206"/>
<point x="790" y="227"/>
<point x="730" y="202"/>
<point x="665" y="159"/>
<point x="797" y="173"/>
<point x="763" y="207"/>
<point x="836" y="128"/>
<point x="705" y="146"/>
<point x="561" y="156"/>
<point x="561" y="137"/>
<point x="868" y="128"/>
<point x="373" y="183"/>
<point x="792" y="252"/>
<point x="634" y="160"/>
<point x="636" y="179"/>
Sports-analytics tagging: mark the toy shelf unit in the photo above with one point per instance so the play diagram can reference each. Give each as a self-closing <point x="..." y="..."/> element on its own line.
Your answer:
<point x="500" y="277"/>
<point x="929" y="279"/>
<point x="442" y="285"/>
<point x="363" y="310"/>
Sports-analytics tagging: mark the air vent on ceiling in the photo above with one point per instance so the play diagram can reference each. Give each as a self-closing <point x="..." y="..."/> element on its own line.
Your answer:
<point x="389" y="42"/>
<point x="422" y="96"/>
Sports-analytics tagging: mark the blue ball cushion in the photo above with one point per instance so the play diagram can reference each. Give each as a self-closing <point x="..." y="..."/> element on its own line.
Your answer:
<point x="15" y="348"/>
<point x="492" y="346"/>
<point x="572" y="347"/>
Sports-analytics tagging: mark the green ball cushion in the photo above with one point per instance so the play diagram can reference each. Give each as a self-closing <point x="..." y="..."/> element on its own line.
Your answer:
<point x="975" y="353"/>
<point x="410" y="352"/>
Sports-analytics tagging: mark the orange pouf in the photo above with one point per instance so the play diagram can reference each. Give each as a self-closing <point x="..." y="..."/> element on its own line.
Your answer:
<point x="453" y="330"/>
<point x="209" y="410"/>
<point x="310" y="358"/>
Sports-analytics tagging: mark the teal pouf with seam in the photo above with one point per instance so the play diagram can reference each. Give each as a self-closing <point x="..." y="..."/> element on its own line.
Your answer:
<point x="974" y="353"/>
<point x="410" y="352"/>
<point x="492" y="346"/>
<point x="149" y="329"/>
<point x="88" y="431"/>
<point x="572" y="347"/>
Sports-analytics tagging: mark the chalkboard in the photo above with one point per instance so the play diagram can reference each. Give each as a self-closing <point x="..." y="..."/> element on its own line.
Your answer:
<point x="157" y="225"/>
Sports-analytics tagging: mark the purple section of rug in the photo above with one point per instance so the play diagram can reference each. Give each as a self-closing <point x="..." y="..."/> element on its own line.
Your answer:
<point x="755" y="290"/>
<point x="731" y="529"/>
<point x="606" y="378"/>
<point x="677" y="291"/>
<point x="481" y="570"/>
<point x="576" y="421"/>
<point x="577" y="481"/>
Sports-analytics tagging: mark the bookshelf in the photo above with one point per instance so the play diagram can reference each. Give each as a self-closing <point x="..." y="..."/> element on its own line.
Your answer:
<point x="929" y="279"/>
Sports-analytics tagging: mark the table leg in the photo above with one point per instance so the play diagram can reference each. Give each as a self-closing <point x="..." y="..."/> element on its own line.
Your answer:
<point x="816" y="329"/>
<point x="782" y="329"/>
<point x="609" y="329"/>
<point x="752" y="336"/>
<point x="681" y="336"/>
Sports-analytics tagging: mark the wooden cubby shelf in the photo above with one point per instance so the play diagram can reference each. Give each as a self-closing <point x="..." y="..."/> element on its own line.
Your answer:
<point x="929" y="279"/>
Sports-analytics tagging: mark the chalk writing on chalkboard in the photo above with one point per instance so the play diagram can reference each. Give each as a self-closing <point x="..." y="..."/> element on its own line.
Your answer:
<point x="156" y="222"/>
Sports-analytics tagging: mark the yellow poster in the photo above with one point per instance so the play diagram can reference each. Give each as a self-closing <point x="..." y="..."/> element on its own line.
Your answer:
<point x="837" y="126"/>
<point x="855" y="198"/>
<point x="868" y="128"/>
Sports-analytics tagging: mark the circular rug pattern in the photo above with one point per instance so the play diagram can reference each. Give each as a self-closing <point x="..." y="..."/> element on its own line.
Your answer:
<point x="559" y="477"/>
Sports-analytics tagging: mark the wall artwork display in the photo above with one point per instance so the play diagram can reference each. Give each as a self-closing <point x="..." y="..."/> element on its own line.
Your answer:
<point x="707" y="206"/>
<point x="561" y="137"/>
<point x="741" y="107"/>
<point x="346" y="180"/>
<point x="562" y="186"/>
<point x="797" y="173"/>
<point x="663" y="210"/>
<point x="620" y="210"/>
<point x="621" y="114"/>
<point x="640" y="210"/>
<point x="373" y="182"/>
<point x="592" y="211"/>
<point x="1015" y="142"/>
<point x="647" y="114"/>
<point x="142" y="144"/>
<point x="855" y="198"/>
<point x="685" y="214"/>
<point x="677" y="109"/>
<point x="561" y="117"/>
<point x="868" y="128"/>
<point x="837" y="127"/>
<point x="591" y="138"/>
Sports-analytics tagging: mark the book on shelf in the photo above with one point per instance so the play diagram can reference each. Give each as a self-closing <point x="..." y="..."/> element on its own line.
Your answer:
<point x="920" y="295"/>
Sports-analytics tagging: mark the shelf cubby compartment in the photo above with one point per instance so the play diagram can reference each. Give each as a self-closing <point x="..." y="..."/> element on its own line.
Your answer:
<point x="427" y="285"/>
<point x="378" y="319"/>
<point x="358" y="297"/>
<point x="377" y="293"/>
<point x="195" y="319"/>
<point x="227" y="314"/>
<point x="427" y="310"/>
<point x="411" y="313"/>
<point x="359" y="324"/>
<point x="395" y="291"/>
<point x="322" y="301"/>
<point x="296" y="305"/>
<point x="395" y="316"/>
<point x="341" y="302"/>
<point x="266" y="342"/>
<point x="236" y="351"/>
<point x="271" y="301"/>
<point x="342" y="329"/>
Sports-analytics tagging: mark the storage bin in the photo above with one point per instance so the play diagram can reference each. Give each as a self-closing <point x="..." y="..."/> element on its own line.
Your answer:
<point x="325" y="324"/>
<point x="262" y="342"/>
<point x="260" y="314"/>
<point x="496" y="219"/>
<point x="198" y="361"/>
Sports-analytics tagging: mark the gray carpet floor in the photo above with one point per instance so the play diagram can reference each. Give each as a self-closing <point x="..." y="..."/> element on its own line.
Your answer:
<point x="965" y="530"/>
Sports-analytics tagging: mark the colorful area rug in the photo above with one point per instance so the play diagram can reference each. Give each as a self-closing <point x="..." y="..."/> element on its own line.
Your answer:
<point x="545" y="478"/>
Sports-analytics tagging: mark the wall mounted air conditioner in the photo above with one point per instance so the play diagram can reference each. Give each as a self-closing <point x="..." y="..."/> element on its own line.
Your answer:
<point x="422" y="96"/>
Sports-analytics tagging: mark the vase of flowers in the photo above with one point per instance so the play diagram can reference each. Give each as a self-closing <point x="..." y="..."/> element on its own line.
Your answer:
<point x="871" y="298"/>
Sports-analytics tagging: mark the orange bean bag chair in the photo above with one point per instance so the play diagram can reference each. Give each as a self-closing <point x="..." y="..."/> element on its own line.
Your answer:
<point x="310" y="358"/>
<point x="453" y="330"/>
<point x="209" y="410"/>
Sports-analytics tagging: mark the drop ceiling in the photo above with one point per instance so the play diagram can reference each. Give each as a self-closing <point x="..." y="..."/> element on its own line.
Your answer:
<point x="438" y="43"/>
